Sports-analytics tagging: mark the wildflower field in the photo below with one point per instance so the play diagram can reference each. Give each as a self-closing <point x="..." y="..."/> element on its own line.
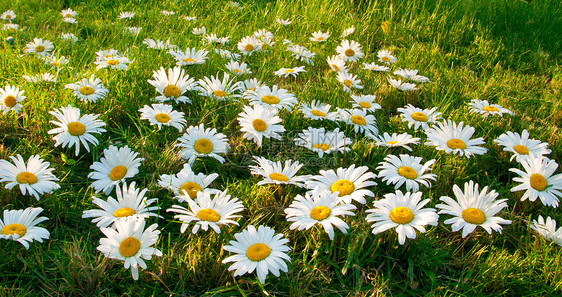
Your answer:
<point x="290" y="148"/>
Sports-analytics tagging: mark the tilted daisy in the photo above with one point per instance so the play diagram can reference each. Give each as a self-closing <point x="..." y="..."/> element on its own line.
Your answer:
<point x="227" y="54"/>
<point x="39" y="78"/>
<point x="538" y="180"/>
<point x="69" y="37"/>
<point x="39" y="47"/>
<point x="126" y="15"/>
<point x="191" y="56"/>
<point x="348" y="32"/>
<point x="453" y="138"/>
<point x="159" y="44"/>
<point x="319" y="207"/>
<point x="417" y="117"/>
<point x="521" y="146"/>
<point x="277" y="173"/>
<point x="323" y="142"/>
<point x="186" y="183"/>
<point x="258" y="249"/>
<point x="251" y="84"/>
<point x="319" y="36"/>
<point x="273" y="98"/>
<point x="351" y="183"/>
<point x="213" y="39"/>
<point x="302" y="53"/>
<point x="54" y="61"/>
<point x="199" y="31"/>
<point x="248" y="45"/>
<point x="386" y="57"/>
<point x="167" y="12"/>
<point x="396" y="140"/>
<point x="337" y="63"/>
<point x="106" y="54"/>
<point x="21" y="226"/>
<point x="411" y="74"/>
<point x="406" y="170"/>
<point x="547" y="229"/>
<point x="163" y="115"/>
<point x="473" y="208"/>
<point x="208" y="210"/>
<point x="68" y="13"/>
<point x="402" y="86"/>
<point x="130" y="242"/>
<point x="8" y="15"/>
<point x="350" y="51"/>
<point x="75" y="130"/>
<point x="374" y="67"/>
<point x="172" y="86"/>
<point x="349" y="81"/>
<point x="70" y="20"/>
<point x="11" y="28"/>
<point x="318" y="111"/>
<point x="113" y="62"/>
<point x="132" y="30"/>
<point x="262" y="34"/>
<point x="361" y="121"/>
<point x="365" y="102"/>
<point x="200" y="142"/>
<point x="130" y="203"/>
<point x="403" y="211"/>
<point x="190" y="18"/>
<point x="116" y="165"/>
<point x="220" y="90"/>
<point x="35" y="178"/>
<point x="237" y="68"/>
<point x="286" y="72"/>
<point x="10" y="99"/>
<point x="485" y="108"/>
<point x="258" y="122"/>
<point x="89" y="90"/>
<point x="283" y="21"/>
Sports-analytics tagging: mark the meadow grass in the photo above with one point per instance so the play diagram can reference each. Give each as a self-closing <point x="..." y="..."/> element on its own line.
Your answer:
<point x="504" y="51"/>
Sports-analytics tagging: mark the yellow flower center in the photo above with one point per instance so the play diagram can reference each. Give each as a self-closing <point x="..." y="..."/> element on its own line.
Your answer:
<point x="490" y="108"/>
<point x="26" y="178"/>
<point x="236" y="70"/>
<point x="318" y="113"/>
<point x="39" y="49"/>
<point x="86" y="90"/>
<point x="11" y="30"/>
<point x="401" y="215"/>
<point x="258" y="251"/>
<point x="118" y="172"/>
<point x="365" y="104"/>
<point x="112" y="62"/>
<point x="68" y="15"/>
<point x="249" y="48"/>
<point x="320" y="213"/>
<point x="347" y="83"/>
<point x="172" y="91"/>
<point x="386" y="59"/>
<point x="393" y="142"/>
<point x="8" y="17"/>
<point x="419" y="116"/>
<point x="76" y="128"/>
<point x="336" y="68"/>
<point x="538" y="182"/>
<point x="349" y="52"/>
<point x="456" y="143"/>
<point x="278" y="177"/>
<point x="209" y="215"/>
<point x="187" y="60"/>
<point x="124" y="212"/>
<point x="259" y="125"/>
<point x="474" y="216"/>
<point x="16" y="228"/>
<point x="269" y="99"/>
<point x="407" y="172"/>
<point x="358" y="120"/>
<point x="162" y="118"/>
<point x="219" y="93"/>
<point x="320" y="38"/>
<point x="129" y="247"/>
<point x="191" y="188"/>
<point x="203" y="146"/>
<point x="289" y="71"/>
<point x="9" y="101"/>
<point x="322" y="146"/>
<point x="521" y="149"/>
<point x="344" y="186"/>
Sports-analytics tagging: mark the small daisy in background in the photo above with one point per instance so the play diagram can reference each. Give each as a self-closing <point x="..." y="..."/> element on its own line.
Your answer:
<point x="116" y="165"/>
<point x="21" y="226"/>
<point x="473" y="208"/>
<point x="284" y="22"/>
<point x="538" y="180"/>
<point x="55" y="62"/>
<point x="218" y="89"/>
<point x="286" y="72"/>
<point x="403" y="211"/>
<point x="163" y="115"/>
<point x="237" y="68"/>
<point x="41" y="78"/>
<point x="319" y="36"/>
<point x="69" y="36"/>
<point x="386" y="57"/>
<point x="365" y="102"/>
<point x="484" y="108"/>
<point x="351" y="183"/>
<point x="167" y="12"/>
<point x="199" y="31"/>
<point x="455" y="138"/>
<point x="274" y="98"/>
<point x="350" y="51"/>
<point x="10" y="99"/>
<point x="11" y="28"/>
<point x="70" y="20"/>
<point x="173" y="85"/>
<point x="129" y="15"/>
<point x="186" y="183"/>
<point x="319" y="207"/>
<point x="34" y="178"/>
<point x="302" y="53"/>
<point x="200" y="142"/>
<point x="361" y="121"/>
<point x="417" y="117"/>
<point x="411" y="74"/>
<point x="39" y="47"/>
<point x="521" y="146"/>
<point x="113" y="62"/>
<point x="402" y="86"/>
<point x="132" y="30"/>
<point x="348" y="32"/>
<point x="323" y="142"/>
<point x="251" y="84"/>
<point x="258" y="122"/>
<point x="406" y="170"/>
<point x="225" y="54"/>
<point x="190" y="18"/>
<point x="159" y="44"/>
<point x="374" y="67"/>
<point x="318" y="111"/>
<point x="258" y="249"/>
<point x="68" y="13"/>
<point x="89" y="90"/>
<point x="130" y="203"/>
<point x="277" y="173"/>
<point x="8" y="15"/>
<point x="191" y="56"/>
<point x="75" y="130"/>
<point x="209" y="209"/>
<point x="396" y="140"/>
<point x="349" y="81"/>
<point x="130" y="242"/>
<point x="547" y="229"/>
<point x="337" y="63"/>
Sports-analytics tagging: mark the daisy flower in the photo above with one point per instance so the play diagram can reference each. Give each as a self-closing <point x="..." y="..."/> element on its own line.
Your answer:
<point x="411" y="75"/>
<point x="396" y="140"/>
<point x="8" y="15"/>
<point x="350" y="51"/>
<point x="208" y="212"/>
<point x="68" y="13"/>
<point x="284" y="22"/>
<point x="417" y="117"/>
<point x="75" y="130"/>
<point x="273" y="98"/>
<point x="538" y="180"/>
<point x="374" y="67"/>
<point x="318" y="36"/>
<point x="133" y="30"/>
<point x="402" y="86"/>
<point x="201" y="142"/>
<point x="521" y="146"/>
<point x="213" y="39"/>
<point x="454" y="138"/>
<point x="54" y="62"/>
<point x="337" y="63"/>
<point x="116" y="165"/>
<point x="199" y="31"/>
<point x="12" y="28"/>
<point x="131" y="243"/>
<point x="190" y="56"/>
<point x="167" y="12"/>
<point x="163" y="114"/>
<point x="190" y="18"/>
<point x="361" y="121"/>
<point x="238" y="68"/>
<point x="248" y="45"/>
<point x="21" y="226"/>
<point x="106" y="54"/>
<point x="263" y="34"/>
<point x="126" y="15"/>
<point x="227" y="54"/>
<point x="159" y="44"/>
<point x="258" y="122"/>
<point x="89" y="90"/>
<point x="113" y="62"/>
<point x="10" y="99"/>
<point x="403" y="211"/>
<point x="173" y="86"/>
<point x="365" y="102"/>
<point x="406" y="170"/>
<point x="39" y="47"/>
<point x="319" y="207"/>
<point x="69" y="36"/>
<point x="35" y="178"/>
<point x="348" y="32"/>
<point x="349" y="81"/>
<point x="220" y="90"/>
<point x="251" y="84"/>
<point x="473" y="208"/>
<point x="351" y="183"/>
<point x="130" y="203"/>
<point x="277" y="173"/>
<point x="323" y="142"/>
<point x="547" y="229"/>
<point x="186" y="183"/>
<point x="69" y="20"/>
<point x="302" y="53"/>
<point x="386" y="57"/>
<point x="318" y="111"/>
<point x="44" y="77"/>
<point x="485" y="108"/>
<point x="286" y="72"/>
<point x="258" y="249"/>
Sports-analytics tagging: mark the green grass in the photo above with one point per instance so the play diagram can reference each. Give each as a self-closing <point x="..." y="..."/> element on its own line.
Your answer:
<point x="504" y="51"/>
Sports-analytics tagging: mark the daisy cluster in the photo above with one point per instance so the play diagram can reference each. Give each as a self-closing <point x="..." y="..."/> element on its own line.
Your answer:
<point x="326" y="199"/>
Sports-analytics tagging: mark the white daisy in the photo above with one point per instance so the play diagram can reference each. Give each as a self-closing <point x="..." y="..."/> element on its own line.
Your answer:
<point x="302" y="53"/>
<point x="68" y="13"/>
<point x="374" y="67"/>
<point x="190" y="56"/>
<point x="237" y="68"/>
<point x="402" y="86"/>
<point x="190" y="18"/>
<point x="284" y="22"/>
<point x="163" y="114"/>
<point x="172" y="86"/>
<point x="116" y="165"/>
<point x="485" y="108"/>
<point x="277" y="173"/>
<point x="262" y="34"/>
<point x="248" y="45"/>
<point x="199" y="31"/>
<point x="411" y="74"/>
<point x="132" y="30"/>
<point x="126" y="15"/>
<point x="365" y="102"/>
<point x="258" y="122"/>
<point x="361" y="121"/>
<point x="286" y="72"/>
<point x="159" y="44"/>
<point x="200" y="142"/>
<point x="322" y="141"/>
<point x="12" y="28"/>
<point x="349" y="81"/>
<point x="337" y="63"/>
<point x="251" y="84"/>
<point x="273" y="98"/>
<point x="21" y="226"/>
<point x="386" y="57"/>
<point x="406" y="170"/>
<point x="69" y="20"/>
<point x="227" y="54"/>
<point x="35" y="178"/>
<point x="8" y="15"/>
<point x="38" y="78"/>
<point x="396" y="140"/>
<point x="521" y="146"/>
<point x="547" y="229"/>
<point x="220" y="90"/>
<point x="348" y="32"/>
<point x="186" y="183"/>
<point x="350" y="51"/>
<point x="454" y="138"/>
<point x="39" y="47"/>
<point x="167" y="12"/>
<point x="319" y="36"/>
<point x="113" y="62"/>
<point x="213" y="39"/>
<point x="89" y="90"/>
<point x="418" y="117"/>
<point x="54" y="61"/>
<point x="69" y="36"/>
<point x="538" y="180"/>
<point x="351" y="183"/>
<point x="10" y="99"/>
<point x="318" y="111"/>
